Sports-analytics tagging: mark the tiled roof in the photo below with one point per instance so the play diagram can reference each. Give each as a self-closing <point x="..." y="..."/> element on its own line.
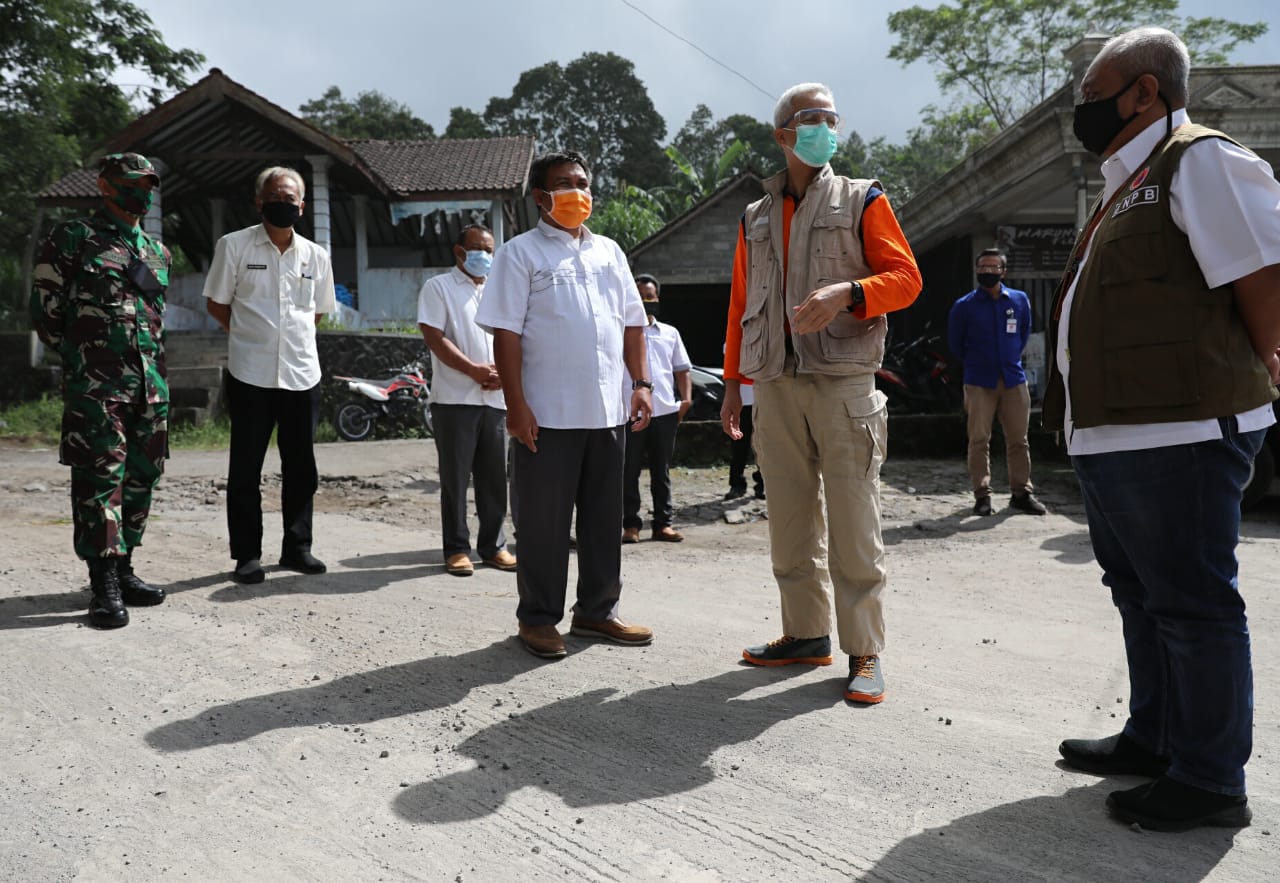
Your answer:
<point x="80" y="184"/>
<point x="449" y="165"/>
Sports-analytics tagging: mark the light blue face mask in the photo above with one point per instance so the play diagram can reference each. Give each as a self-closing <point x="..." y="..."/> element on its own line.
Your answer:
<point x="815" y="144"/>
<point x="478" y="263"/>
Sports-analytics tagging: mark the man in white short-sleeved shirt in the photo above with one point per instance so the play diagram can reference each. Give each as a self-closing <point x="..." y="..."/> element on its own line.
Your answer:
<point x="565" y="315"/>
<point x="468" y="412"/>
<point x="267" y="287"/>
<point x="669" y="370"/>
<point x="1167" y="330"/>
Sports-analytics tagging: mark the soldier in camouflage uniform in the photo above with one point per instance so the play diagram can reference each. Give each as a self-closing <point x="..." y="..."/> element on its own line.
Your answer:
<point x="98" y="300"/>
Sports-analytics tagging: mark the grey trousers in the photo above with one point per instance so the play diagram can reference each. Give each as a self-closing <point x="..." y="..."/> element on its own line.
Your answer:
<point x="471" y="445"/>
<point x="579" y="468"/>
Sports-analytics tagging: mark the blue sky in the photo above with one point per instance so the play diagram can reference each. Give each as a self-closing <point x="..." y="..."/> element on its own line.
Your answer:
<point x="433" y="55"/>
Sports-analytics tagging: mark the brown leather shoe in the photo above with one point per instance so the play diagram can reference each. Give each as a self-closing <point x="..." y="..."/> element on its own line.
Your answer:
<point x="459" y="564"/>
<point x="614" y="630"/>
<point x="667" y="534"/>
<point x="503" y="560"/>
<point x="543" y="641"/>
<point x="631" y="534"/>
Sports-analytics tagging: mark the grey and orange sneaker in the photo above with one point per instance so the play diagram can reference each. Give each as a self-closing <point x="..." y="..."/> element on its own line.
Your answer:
<point x="791" y="651"/>
<point x="866" y="680"/>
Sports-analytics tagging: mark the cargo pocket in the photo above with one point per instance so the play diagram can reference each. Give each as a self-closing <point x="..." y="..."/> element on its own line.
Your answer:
<point x="869" y="435"/>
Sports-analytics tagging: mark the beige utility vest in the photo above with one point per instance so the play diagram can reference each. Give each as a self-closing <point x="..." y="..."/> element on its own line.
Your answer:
<point x="825" y="248"/>
<point x="1149" y="340"/>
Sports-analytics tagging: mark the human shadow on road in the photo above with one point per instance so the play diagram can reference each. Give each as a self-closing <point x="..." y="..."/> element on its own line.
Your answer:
<point x="600" y="748"/>
<point x="408" y="688"/>
<point x="42" y="611"/>
<point x="960" y="521"/>
<point x="1052" y="838"/>
<point x="365" y="576"/>
<point x="1071" y="548"/>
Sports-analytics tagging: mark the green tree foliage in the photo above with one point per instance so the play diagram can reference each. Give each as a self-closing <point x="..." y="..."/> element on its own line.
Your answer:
<point x="57" y="101"/>
<point x="629" y="216"/>
<point x="702" y="141"/>
<point x="369" y="115"/>
<point x="595" y="105"/>
<point x="466" y="123"/>
<point x="1006" y="55"/>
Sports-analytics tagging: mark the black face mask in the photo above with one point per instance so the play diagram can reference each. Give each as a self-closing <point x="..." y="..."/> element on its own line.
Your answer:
<point x="1097" y="123"/>
<point x="988" y="280"/>
<point x="281" y="214"/>
<point x="651" y="308"/>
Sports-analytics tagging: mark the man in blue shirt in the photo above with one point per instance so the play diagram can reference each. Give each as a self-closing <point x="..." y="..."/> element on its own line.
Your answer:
<point x="987" y="330"/>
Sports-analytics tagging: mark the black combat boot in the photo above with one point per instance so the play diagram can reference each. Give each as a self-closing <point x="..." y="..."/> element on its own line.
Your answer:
<point x="106" y="610"/>
<point x="135" y="592"/>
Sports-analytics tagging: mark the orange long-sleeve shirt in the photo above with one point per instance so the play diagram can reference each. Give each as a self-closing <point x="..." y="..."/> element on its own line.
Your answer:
<point x="894" y="284"/>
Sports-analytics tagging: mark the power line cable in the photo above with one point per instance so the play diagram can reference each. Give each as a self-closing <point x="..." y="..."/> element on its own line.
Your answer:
<point x="736" y="73"/>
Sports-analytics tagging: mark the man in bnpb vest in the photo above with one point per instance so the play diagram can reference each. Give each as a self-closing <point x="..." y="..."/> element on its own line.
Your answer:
<point x="98" y="300"/>
<point x="820" y="260"/>
<point x="1163" y="341"/>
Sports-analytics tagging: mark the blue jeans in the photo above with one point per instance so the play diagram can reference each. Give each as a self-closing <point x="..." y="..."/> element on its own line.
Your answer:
<point x="1164" y="524"/>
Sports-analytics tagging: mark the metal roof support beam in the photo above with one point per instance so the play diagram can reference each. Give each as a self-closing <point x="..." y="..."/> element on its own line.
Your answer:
<point x="153" y="223"/>
<point x="320" y="199"/>
<point x="362" y="241"/>
<point x="497" y="222"/>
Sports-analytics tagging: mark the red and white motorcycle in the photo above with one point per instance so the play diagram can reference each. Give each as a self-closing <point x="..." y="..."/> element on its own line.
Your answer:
<point x="404" y="399"/>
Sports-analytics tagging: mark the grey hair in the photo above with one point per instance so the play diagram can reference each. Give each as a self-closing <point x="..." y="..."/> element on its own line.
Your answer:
<point x="1151" y="50"/>
<point x="266" y="176"/>
<point x="783" y="108"/>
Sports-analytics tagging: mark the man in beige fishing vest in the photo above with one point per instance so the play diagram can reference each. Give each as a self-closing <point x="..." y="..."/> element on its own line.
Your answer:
<point x="820" y="260"/>
<point x="1163" y="342"/>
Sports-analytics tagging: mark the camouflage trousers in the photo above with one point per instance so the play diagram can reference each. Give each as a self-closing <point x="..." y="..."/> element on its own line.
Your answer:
<point x="116" y="451"/>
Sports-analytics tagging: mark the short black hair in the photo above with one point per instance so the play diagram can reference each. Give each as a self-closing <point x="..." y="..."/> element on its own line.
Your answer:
<point x="645" y="277"/>
<point x="992" y="253"/>
<point x="543" y="163"/>
<point x="467" y="228"/>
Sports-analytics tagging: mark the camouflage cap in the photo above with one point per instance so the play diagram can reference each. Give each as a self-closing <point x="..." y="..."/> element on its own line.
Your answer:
<point x="127" y="167"/>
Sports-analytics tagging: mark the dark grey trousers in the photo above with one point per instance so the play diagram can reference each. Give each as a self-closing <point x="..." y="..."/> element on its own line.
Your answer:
<point x="656" y="443"/>
<point x="471" y="445"/>
<point x="573" y="467"/>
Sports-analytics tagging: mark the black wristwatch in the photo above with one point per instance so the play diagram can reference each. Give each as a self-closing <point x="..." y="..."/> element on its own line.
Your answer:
<point x="858" y="297"/>
<point x="642" y="384"/>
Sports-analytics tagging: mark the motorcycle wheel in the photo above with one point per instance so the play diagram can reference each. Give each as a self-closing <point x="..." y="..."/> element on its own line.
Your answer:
<point x="353" y="421"/>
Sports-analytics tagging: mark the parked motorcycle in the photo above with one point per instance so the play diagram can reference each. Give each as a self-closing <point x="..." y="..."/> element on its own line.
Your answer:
<point x="918" y="378"/>
<point x="403" y="399"/>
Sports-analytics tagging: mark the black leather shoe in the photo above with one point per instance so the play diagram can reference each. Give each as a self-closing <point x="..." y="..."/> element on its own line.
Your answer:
<point x="983" y="506"/>
<point x="1166" y="805"/>
<point x="1027" y="503"/>
<point x="1116" y="755"/>
<point x="106" y="610"/>
<point x="302" y="561"/>
<point x="735" y="491"/>
<point x="135" y="592"/>
<point x="248" y="572"/>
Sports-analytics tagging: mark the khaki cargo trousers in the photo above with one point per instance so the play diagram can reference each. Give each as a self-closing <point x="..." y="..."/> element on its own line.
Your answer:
<point x="820" y="441"/>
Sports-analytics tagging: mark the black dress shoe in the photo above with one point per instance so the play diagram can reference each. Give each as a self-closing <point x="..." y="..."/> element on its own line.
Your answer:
<point x="302" y="561"/>
<point x="1027" y="503"/>
<point x="1116" y="755"/>
<point x="735" y="491"/>
<point x="1166" y="805"/>
<point x="135" y="592"/>
<point x="248" y="572"/>
<point x="982" y="506"/>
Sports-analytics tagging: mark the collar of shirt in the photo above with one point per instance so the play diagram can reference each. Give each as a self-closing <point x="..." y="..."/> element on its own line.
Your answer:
<point x="563" y="235"/>
<point x="460" y="278"/>
<point x="264" y="238"/>
<point x="1117" y="168"/>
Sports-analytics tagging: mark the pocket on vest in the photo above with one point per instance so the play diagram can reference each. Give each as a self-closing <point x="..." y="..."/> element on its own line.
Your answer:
<point x="1149" y="346"/>
<point x="850" y="339"/>
<point x="754" y="350"/>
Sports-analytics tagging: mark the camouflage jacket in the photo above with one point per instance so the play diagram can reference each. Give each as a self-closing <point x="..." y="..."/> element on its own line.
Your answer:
<point x="109" y="333"/>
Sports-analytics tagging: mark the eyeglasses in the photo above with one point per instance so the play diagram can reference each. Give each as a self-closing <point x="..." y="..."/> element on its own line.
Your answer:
<point x="811" y="116"/>
<point x="990" y="269"/>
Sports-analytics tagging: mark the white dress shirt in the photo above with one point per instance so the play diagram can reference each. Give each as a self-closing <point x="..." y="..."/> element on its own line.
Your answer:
<point x="665" y="351"/>
<point x="569" y="300"/>
<point x="448" y="303"/>
<point x="274" y="301"/>
<point x="1228" y="203"/>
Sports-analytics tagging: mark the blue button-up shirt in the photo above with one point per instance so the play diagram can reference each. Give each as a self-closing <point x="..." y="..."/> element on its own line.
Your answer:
<point x="978" y="332"/>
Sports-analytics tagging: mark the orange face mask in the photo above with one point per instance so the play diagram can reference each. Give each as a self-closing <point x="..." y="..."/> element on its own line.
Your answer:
<point x="569" y="208"/>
